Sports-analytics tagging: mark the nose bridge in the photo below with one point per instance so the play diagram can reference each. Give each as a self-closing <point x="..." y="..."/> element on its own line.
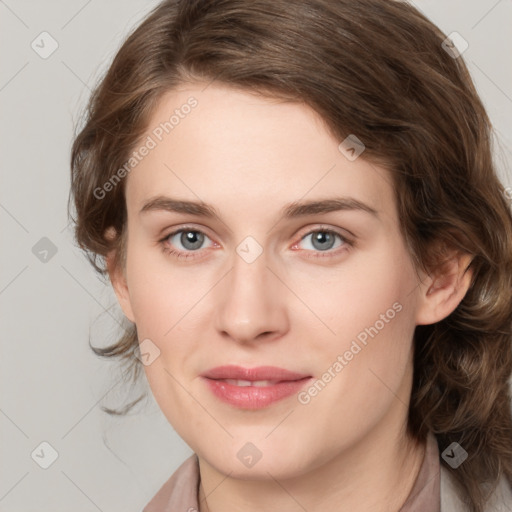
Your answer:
<point x="251" y="300"/>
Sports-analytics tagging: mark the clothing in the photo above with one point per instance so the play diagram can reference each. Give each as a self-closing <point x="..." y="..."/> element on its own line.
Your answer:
<point x="425" y="493"/>
<point x="500" y="501"/>
<point x="433" y="490"/>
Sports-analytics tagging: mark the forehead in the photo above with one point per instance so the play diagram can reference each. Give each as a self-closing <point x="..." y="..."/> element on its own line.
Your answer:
<point x="242" y="152"/>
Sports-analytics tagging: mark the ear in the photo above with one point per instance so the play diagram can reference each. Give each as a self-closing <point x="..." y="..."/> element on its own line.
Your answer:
<point x="442" y="292"/>
<point x="118" y="279"/>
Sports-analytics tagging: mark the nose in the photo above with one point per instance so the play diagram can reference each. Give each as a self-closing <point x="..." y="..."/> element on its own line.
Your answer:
<point x="251" y="302"/>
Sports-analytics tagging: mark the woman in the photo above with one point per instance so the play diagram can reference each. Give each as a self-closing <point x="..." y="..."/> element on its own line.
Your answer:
<point x="298" y="210"/>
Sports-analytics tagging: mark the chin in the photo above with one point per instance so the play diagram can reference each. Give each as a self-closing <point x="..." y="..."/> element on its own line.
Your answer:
<point x="239" y="465"/>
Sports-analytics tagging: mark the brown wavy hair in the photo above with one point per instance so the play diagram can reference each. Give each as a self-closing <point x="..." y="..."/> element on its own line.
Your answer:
<point x="377" y="69"/>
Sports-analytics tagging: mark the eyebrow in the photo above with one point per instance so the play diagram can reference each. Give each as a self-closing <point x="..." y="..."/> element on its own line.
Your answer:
<point x="292" y="210"/>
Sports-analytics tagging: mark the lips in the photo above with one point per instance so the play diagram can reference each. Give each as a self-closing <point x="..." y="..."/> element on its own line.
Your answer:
<point x="253" y="388"/>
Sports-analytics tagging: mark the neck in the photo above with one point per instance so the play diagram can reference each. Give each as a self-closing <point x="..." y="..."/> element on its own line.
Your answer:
<point x="376" y="474"/>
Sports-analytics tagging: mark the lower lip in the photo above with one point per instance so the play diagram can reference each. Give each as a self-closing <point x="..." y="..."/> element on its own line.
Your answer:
<point x="254" y="397"/>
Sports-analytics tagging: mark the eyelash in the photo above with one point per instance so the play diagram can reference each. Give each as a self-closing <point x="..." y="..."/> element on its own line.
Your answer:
<point x="190" y="254"/>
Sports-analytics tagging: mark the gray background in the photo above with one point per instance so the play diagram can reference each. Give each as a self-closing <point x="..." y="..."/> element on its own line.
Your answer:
<point x="52" y="384"/>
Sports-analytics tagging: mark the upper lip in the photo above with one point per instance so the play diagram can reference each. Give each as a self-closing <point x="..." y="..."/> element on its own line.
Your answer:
<point x="273" y="373"/>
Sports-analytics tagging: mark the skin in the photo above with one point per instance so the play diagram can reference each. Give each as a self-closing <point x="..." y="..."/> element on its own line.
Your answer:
<point x="249" y="157"/>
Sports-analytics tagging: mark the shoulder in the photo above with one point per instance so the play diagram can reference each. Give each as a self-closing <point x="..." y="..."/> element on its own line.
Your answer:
<point x="180" y="491"/>
<point x="500" y="501"/>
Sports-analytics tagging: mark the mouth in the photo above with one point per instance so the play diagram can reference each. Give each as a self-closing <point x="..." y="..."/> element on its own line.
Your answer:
<point x="256" y="383"/>
<point x="253" y="388"/>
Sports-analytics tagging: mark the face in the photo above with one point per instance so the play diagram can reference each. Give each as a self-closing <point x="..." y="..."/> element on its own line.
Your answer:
<point x="326" y="292"/>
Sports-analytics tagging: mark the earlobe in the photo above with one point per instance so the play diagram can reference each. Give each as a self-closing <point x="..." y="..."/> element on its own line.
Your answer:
<point x="442" y="292"/>
<point x="119" y="284"/>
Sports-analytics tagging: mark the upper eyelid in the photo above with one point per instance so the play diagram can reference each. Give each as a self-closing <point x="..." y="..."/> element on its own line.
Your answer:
<point x="181" y="229"/>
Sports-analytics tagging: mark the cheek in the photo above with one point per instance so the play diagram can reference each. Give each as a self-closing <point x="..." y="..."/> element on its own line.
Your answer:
<point x="165" y="303"/>
<point x="155" y="294"/>
<point x="351" y="298"/>
<point x="368" y="316"/>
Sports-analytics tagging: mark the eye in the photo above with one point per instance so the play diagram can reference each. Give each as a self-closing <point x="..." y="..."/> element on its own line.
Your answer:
<point x="187" y="240"/>
<point x="324" y="240"/>
<point x="190" y="240"/>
